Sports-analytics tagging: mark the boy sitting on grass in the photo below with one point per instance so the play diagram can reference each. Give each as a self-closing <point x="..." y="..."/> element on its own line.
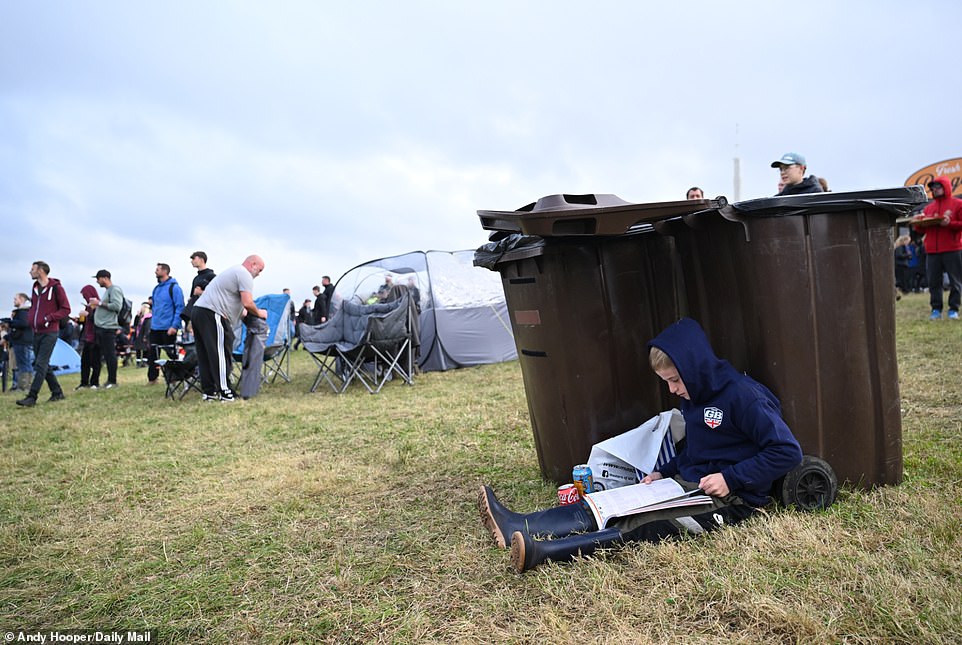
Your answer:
<point x="736" y="446"/>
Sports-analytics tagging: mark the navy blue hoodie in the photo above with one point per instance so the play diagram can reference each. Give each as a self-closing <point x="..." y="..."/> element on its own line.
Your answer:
<point x="733" y="424"/>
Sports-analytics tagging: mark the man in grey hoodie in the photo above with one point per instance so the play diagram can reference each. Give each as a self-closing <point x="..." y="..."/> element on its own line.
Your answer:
<point x="106" y="325"/>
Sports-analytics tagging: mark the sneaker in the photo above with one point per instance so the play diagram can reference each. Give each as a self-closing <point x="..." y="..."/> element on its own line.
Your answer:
<point x="28" y="401"/>
<point x="953" y="315"/>
<point x="210" y="397"/>
<point x="110" y="385"/>
<point x="58" y="396"/>
<point x="94" y="387"/>
<point x="80" y="387"/>
<point x="936" y="315"/>
<point x="227" y="396"/>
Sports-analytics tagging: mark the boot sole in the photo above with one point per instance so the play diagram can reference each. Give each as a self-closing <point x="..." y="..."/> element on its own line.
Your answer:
<point x="488" y="520"/>
<point x="517" y="552"/>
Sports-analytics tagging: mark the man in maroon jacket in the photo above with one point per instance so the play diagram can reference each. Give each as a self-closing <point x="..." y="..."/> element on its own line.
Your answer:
<point x="941" y="221"/>
<point x="48" y="306"/>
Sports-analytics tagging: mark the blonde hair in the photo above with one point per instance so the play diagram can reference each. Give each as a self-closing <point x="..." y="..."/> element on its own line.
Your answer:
<point x="659" y="360"/>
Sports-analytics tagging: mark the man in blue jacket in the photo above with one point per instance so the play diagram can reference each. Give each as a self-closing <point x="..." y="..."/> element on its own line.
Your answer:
<point x="166" y="303"/>
<point x="736" y="446"/>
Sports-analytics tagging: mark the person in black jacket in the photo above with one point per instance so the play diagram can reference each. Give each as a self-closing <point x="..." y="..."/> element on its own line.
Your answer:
<point x="198" y="260"/>
<point x="304" y="317"/>
<point x="21" y="341"/>
<point x="319" y="312"/>
<point x="328" y="294"/>
<point x="903" y="257"/>
<point x="791" y="168"/>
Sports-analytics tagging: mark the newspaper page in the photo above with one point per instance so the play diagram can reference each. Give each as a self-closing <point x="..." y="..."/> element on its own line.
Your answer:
<point x="625" y="458"/>
<point x="641" y="498"/>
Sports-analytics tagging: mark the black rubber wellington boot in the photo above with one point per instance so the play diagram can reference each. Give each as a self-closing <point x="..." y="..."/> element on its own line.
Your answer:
<point x="553" y="522"/>
<point x="527" y="553"/>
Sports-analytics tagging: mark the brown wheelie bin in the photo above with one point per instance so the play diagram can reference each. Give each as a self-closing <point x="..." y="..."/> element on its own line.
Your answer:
<point x="588" y="282"/>
<point x="798" y="292"/>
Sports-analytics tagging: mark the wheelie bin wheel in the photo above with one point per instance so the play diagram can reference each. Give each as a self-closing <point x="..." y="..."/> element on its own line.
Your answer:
<point x="811" y="486"/>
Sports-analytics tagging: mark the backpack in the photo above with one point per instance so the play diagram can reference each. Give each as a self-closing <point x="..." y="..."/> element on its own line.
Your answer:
<point x="125" y="315"/>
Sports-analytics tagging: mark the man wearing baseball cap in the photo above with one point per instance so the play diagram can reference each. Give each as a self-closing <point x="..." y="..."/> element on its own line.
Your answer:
<point x="106" y="324"/>
<point x="791" y="168"/>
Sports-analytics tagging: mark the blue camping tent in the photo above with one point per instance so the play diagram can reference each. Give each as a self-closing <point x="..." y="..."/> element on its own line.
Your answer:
<point x="64" y="359"/>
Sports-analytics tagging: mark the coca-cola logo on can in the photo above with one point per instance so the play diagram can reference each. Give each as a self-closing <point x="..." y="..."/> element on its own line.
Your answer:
<point x="568" y="494"/>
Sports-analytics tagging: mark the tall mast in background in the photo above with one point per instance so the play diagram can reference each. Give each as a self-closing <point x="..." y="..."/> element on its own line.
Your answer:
<point x="737" y="179"/>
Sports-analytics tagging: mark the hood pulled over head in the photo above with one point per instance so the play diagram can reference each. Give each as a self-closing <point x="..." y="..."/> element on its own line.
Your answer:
<point x="945" y="183"/>
<point x="89" y="292"/>
<point x="703" y="373"/>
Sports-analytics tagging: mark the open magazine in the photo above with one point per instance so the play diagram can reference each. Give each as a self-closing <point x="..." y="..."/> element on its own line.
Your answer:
<point x="641" y="498"/>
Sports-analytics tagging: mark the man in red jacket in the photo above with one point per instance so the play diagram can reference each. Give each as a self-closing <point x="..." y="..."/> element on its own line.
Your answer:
<point x="48" y="306"/>
<point x="941" y="221"/>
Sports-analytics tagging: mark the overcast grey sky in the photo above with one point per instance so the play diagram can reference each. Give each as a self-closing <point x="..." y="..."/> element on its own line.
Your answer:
<point x="324" y="134"/>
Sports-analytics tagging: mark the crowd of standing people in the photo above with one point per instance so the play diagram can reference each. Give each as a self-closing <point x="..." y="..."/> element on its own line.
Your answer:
<point x="106" y="328"/>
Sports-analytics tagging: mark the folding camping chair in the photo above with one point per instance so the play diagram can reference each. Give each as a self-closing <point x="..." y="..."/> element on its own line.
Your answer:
<point x="390" y="345"/>
<point x="181" y="374"/>
<point x="280" y="335"/>
<point x="277" y="358"/>
<point x="368" y="343"/>
<point x="320" y="342"/>
<point x="125" y="350"/>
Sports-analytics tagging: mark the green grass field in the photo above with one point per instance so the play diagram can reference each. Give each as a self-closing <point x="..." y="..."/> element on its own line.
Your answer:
<point x="298" y="517"/>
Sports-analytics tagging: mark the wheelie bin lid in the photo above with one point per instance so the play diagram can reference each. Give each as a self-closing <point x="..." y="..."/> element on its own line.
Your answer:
<point x="592" y="214"/>
<point x="898" y="201"/>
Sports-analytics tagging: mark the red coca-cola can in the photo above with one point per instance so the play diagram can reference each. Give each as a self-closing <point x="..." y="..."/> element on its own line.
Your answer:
<point x="568" y="494"/>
